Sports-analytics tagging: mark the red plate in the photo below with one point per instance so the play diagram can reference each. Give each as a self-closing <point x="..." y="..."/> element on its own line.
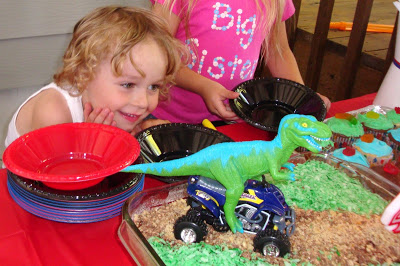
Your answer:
<point x="71" y="156"/>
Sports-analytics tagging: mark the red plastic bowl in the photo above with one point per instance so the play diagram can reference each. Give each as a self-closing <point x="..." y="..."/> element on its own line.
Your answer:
<point x="71" y="156"/>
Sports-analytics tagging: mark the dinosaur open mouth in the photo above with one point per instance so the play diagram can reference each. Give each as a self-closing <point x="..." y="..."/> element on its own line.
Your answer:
<point x="316" y="142"/>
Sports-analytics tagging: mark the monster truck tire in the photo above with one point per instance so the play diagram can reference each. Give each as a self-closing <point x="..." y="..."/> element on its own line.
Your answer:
<point x="191" y="213"/>
<point x="272" y="242"/>
<point x="216" y="224"/>
<point x="190" y="229"/>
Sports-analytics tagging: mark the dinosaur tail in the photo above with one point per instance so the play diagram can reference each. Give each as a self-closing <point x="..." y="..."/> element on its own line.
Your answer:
<point x="178" y="167"/>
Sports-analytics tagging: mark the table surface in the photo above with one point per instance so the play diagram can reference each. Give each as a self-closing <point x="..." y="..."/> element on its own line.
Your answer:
<point x="26" y="239"/>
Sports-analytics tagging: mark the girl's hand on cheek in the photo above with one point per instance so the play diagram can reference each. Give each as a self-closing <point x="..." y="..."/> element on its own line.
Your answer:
<point x="98" y="115"/>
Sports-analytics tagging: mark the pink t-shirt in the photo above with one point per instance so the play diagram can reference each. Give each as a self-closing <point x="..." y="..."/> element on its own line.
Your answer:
<point x="228" y="38"/>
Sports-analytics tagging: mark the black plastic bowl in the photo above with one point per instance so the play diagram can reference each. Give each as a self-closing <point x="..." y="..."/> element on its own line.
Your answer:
<point x="264" y="102"/>
<point x="176" y="140"/>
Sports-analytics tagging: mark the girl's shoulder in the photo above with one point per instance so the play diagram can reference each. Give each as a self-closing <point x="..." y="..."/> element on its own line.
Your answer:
<point x="46" y="108"/>
<point x="52" y="105"/>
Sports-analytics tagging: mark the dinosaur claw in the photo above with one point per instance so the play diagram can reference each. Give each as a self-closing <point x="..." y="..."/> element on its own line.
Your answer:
<point x="289" y="166"/>
<point x="237" y="227"/>
<point x="292" y="177"/>
<point x="284" y="177"/>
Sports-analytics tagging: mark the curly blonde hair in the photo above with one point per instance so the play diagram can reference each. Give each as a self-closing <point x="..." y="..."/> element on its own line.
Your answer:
<point x="112" y="31"/>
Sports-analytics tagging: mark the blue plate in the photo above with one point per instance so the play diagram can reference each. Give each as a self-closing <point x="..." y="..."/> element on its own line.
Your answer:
<point x="71" y="212"/>
<point x="72" y="204"/>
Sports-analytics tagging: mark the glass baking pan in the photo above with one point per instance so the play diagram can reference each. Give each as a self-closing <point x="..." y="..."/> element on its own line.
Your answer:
<point x="142" y="252"/>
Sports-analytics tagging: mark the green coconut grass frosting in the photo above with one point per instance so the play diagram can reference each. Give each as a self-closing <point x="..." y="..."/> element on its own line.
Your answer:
<point x="200" y="254"/>
<point x="319" y="186"/>
<point x="375" y="121"/>
<point x="205" y="254"/>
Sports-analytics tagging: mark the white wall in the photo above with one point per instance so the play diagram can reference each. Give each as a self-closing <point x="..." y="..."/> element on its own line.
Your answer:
<point x="33" y="38"/>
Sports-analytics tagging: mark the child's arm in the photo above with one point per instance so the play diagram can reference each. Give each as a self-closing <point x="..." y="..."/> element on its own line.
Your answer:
<point x="50" y="108"/>
<point x="285" y="66"/>
<point x="45" y="109"/>
<point x="213" y="93"/>
<point x="149" y="123"/>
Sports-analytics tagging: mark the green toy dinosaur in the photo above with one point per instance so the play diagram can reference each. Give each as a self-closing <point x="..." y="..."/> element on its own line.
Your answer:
<point x="232" y="163"/>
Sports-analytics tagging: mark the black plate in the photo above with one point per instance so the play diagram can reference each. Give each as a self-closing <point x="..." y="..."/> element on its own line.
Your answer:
<point x="264" y="102"/>
<point x="109" y="187"/>
<point x="174" y="141"/>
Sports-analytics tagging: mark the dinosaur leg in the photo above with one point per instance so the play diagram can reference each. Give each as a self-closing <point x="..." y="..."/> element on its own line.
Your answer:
<point x="229" y="176"/>
<point x="232" y="199"/>
<point x="277" y="175"/>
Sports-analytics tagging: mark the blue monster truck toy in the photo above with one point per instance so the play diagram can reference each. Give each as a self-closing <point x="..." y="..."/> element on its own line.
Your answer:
<point x="262" y="210"/>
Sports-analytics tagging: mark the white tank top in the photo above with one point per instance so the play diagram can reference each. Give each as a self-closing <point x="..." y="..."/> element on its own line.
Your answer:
<point x="74" y="104"/>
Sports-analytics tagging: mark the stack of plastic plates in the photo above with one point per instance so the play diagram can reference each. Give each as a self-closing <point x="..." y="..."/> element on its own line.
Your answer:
<point x="96" y="203"/>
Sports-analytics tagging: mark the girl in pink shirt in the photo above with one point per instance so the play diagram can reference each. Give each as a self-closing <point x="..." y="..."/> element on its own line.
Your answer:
<point x="225" y="38"/>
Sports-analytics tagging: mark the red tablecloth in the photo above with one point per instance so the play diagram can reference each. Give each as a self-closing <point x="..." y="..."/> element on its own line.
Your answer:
<point x="29" y="240"/>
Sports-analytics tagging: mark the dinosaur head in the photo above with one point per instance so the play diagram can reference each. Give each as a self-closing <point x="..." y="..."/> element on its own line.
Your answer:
<point x="305" y="131"/>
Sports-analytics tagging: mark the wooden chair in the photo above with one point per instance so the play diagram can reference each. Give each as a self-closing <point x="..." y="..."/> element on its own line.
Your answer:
<point x="354" y="48"/>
